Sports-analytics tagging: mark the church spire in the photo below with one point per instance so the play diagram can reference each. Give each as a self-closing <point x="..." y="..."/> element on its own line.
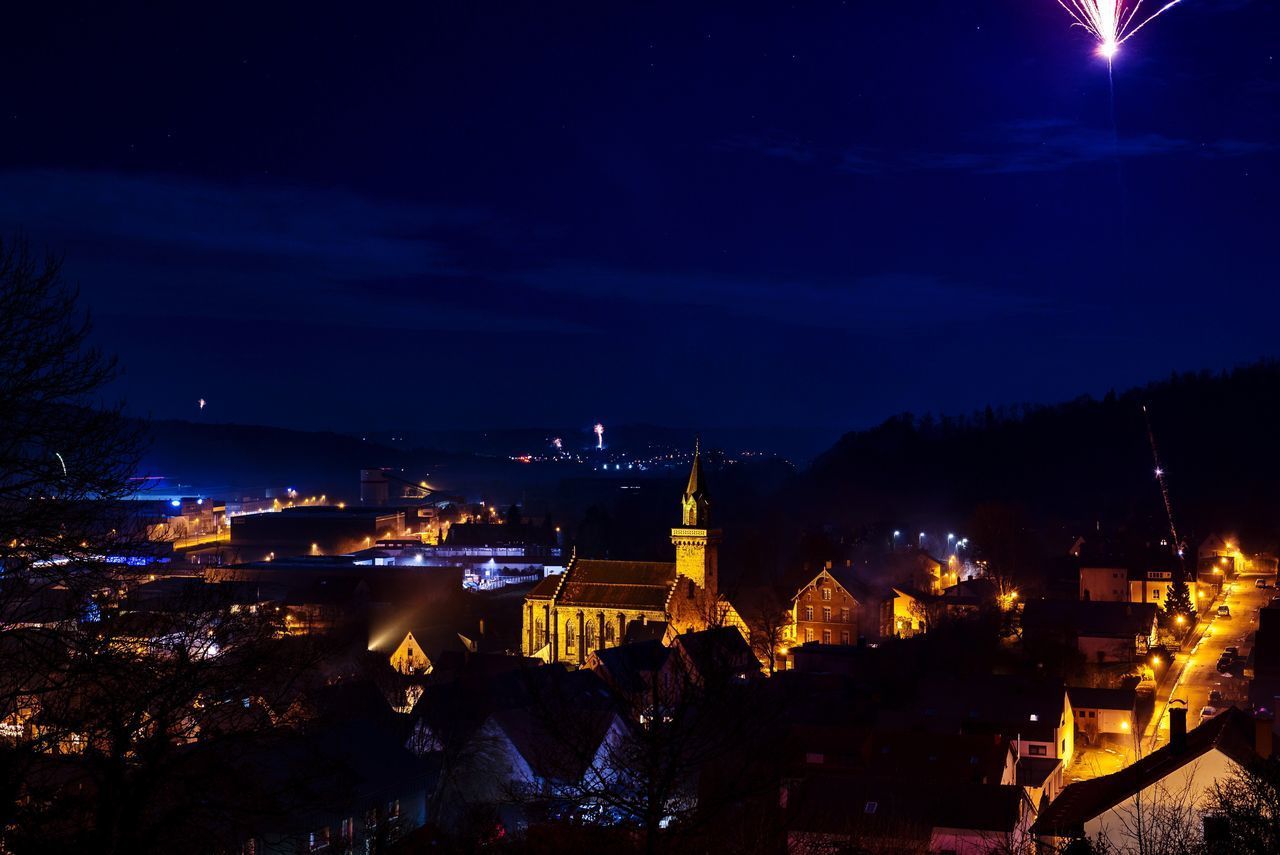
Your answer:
<point x="695" y="502"/>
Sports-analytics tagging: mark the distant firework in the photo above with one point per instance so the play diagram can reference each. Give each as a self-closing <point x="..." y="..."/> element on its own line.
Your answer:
<point x="201" y="403"/>
<point x="558" y="443"/>
<point x="1111" y="22"/>
<point x="599" y="429"/>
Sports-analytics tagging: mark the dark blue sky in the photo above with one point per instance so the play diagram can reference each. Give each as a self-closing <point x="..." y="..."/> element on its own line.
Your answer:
<point x="480" y="213"/>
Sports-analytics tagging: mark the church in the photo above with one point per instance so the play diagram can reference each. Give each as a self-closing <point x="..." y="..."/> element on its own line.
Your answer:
<point x="594" y="604"/>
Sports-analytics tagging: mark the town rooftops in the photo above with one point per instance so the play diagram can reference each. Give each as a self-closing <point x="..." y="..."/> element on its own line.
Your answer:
<point x="864" y="807"/>
<point x="1086" y="698"/>
<point x="1091" y="618"/>
<point x="1231" y="732"/>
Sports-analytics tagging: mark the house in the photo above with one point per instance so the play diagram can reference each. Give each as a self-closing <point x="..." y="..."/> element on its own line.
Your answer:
<point x="1034" y="716"/>
<point x="631" y="670"/>
<point x="1103" y="712"/>
<point x="1104" y="584"/>
<point x="1102" y="631"/>
<point x="1180" y="776"/>
<point x="843" y="813"/>
<point x="824" y="610"/>
<point x="905" y="613"/>
<point x="712" y="656"/>
<point x="569" y="616"/>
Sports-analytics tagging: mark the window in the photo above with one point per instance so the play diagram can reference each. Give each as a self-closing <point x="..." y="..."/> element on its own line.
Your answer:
<point x="826" y="593"/>
<point x="1064" y="745"/>
<point x="844" y="637"/>
<point x="826" y="636"/>
<point x="319" y="839"/>
<point x="347" y="831"/>
<point x="808" y="634"/>
<point x="826" y="614"/>
<point x="808" y="612"/>
<point x="1037" y="750"/>
<point x="844" y="615"/>
<point x="870" y="807"/>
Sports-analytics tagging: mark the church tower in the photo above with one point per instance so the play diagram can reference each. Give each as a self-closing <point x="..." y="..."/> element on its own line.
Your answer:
<point x="695" y="541"/>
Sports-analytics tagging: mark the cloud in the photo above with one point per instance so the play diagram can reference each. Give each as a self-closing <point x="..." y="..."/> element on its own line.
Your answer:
<point x="333" y="232"/>
<point x="868" y="303"/>
<point x="1023" y="146"/>
<point x="1052" y="145"/>
<point x="775" y="145"/>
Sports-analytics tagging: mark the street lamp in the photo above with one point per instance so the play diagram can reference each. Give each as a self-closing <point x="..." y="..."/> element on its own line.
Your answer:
<point x="921" y="544"/>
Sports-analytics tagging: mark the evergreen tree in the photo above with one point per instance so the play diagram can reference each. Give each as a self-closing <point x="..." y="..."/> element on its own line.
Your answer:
<point x="1179" y="599"/>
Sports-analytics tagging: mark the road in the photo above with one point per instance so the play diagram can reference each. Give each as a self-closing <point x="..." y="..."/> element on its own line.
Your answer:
<point x="1199" y="672"/>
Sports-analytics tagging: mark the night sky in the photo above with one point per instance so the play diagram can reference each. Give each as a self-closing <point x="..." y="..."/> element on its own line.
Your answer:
<point x="440" y="214"/>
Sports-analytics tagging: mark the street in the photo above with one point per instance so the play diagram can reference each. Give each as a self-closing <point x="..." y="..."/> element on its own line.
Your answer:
<point x="1198" y="674"/>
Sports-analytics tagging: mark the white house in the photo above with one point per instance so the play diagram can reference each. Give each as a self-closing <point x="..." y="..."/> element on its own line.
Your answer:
<point x="1176" y="779"/>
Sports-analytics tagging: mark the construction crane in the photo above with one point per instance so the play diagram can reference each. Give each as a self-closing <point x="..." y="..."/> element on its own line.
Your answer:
<point x="1178" y="546"/>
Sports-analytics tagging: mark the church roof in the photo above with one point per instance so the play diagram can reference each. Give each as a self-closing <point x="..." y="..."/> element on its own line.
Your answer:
<point x="617" y="584"/>
<point x="546" y="587"/>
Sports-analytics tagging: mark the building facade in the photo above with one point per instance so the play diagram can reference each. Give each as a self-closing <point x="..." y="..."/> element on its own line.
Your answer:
<point x="569" y="616"/>
<point x="824" y="611"/>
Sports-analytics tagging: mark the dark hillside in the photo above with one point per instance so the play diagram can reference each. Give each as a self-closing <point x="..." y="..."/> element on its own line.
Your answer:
<point x="1080" y="463"/>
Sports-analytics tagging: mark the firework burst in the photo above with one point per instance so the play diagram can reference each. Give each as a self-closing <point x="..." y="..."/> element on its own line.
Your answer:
<point x="1112" y="22"/>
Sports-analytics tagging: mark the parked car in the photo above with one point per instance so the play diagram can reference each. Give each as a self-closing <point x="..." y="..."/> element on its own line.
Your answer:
<point x="1233" y="652"/>
<point x="1224" y="610"/>
<point x="1261" y="583"/>
<point x="1208" y="713"/>
<point x="1225" y="663"/>
<point x="1215" y="697"/>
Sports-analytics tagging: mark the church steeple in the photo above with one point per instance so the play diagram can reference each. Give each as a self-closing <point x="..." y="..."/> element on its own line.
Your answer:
<point x="695" y="541"/>
<point x="695" y="505"/>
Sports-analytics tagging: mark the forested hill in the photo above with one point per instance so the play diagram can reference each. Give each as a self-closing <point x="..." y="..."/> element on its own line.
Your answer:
<point x="1078" y="463"/>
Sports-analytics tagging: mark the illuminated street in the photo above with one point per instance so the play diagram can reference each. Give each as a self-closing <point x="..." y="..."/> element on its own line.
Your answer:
<point x="1199" y="675"/>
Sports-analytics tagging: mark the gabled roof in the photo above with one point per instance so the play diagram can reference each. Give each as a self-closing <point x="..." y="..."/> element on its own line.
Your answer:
<point x="1231" y="732"/>
<point x="1083" y="697"/>
<point x="867" y="807"/>
<point x="645" y="585"/>
<point x="628" y="667"/>
<point x="558" y="744"/>
<point x="842" y="576"/>
<point x="1090" y="618"/>
<point x="546" y="587"/>
<point x="719" y="651"/>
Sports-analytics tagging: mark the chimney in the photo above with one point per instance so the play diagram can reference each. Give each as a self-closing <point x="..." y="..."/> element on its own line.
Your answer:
<point x="1264" y="734"/>
<point x="1178" y="728"/>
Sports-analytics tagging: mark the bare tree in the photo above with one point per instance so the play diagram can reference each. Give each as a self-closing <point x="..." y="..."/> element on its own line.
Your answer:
<point x="115" y="715"/>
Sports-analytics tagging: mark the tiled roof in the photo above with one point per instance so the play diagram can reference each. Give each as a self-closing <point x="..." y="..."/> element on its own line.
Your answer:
<point x="868" y="807"/>
<point x="1231" y="732"/>
<point x="546" y="588"/>
<point x="1092" y="619"/>
<point x="1083" y="697"/>
<point x="615" y="584"/>
<point x="649" y="597"/>
<point x="624" y="572"/>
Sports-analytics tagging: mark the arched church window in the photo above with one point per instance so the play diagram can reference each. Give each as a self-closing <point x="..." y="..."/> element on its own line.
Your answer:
<point x="591" y="636"/>
<point x="608" y="633"/>
<point x="568" y="633"/>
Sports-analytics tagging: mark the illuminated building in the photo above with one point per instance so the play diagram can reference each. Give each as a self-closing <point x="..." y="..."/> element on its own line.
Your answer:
<point x="590" y="606"/>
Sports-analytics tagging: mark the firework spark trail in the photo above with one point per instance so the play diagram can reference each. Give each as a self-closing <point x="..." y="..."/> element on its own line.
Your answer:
<point x="1111" y="22"/>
